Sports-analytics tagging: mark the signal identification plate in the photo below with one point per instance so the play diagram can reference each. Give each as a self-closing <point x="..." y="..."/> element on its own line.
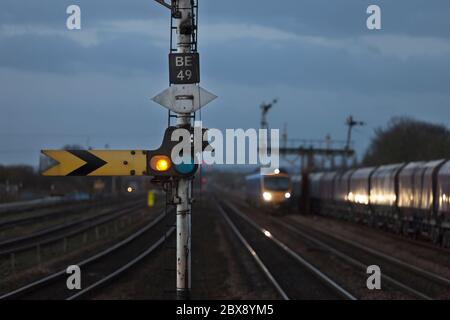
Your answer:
<point x="184" y="68"/>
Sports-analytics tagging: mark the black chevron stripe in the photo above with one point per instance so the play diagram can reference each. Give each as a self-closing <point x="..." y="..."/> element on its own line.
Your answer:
<point x="92" y="163"/>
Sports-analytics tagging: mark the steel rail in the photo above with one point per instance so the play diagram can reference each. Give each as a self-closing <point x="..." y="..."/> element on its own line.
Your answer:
<point x="351" y="260"/>
<point x="124" y="268"/>
<point x="13" y="245"/>
<point x="55" y="212"/>
<point x="59" y="274"/>
<point x="314" y="270"/>
<point x="418" y="271"/>
<point x="253" y="253"/>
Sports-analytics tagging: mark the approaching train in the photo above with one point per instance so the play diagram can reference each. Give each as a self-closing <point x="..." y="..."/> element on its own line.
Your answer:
<point x="409" y="198"/>
<point x="272" y="190"/>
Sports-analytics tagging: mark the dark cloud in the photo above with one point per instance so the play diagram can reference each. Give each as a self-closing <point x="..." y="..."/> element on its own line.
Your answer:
<point x="333" y="69"/>
<point x="53" y="12"/>
<point x="303" y="65"/>
<point x="58" y="54"/>
<point x="337" y="18"/>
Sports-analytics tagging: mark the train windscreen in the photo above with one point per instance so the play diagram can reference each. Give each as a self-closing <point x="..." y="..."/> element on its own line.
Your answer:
<point x="276" y="183"/>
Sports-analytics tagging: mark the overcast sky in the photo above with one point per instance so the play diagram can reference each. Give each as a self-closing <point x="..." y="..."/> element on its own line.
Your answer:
<point x="93" y="86"/>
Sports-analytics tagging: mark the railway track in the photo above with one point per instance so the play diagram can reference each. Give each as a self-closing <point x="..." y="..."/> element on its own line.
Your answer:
<point x="291" y="274"/>
<point x="419" y="240"/>
<point x="100" y="269"/>
<point x="41" y="210"/>
<point x="414" y="281"/>
<point x="419" y="282"/>
<point x="23" y="206"/>
<point x="39" y="214"/>
<point x="424" y="243"/>
<point x="48" y="234"/>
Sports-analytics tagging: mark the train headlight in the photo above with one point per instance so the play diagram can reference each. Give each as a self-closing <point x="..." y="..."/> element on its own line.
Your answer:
<point x="267" y="196"/>
<point x="287" y="195"/>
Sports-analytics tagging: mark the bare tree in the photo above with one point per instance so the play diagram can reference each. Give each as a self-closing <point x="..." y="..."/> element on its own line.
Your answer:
<point x="406" y="139"/>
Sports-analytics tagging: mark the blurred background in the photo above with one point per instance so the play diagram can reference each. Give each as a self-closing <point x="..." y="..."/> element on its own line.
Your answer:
<point x="91" y="88"/>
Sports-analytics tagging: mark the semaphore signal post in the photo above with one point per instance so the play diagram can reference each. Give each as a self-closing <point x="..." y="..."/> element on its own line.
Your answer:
<point x="174" y="170"/>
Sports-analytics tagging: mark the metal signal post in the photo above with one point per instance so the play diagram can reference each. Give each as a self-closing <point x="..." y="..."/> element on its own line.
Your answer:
<point x="184" y="39"/>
